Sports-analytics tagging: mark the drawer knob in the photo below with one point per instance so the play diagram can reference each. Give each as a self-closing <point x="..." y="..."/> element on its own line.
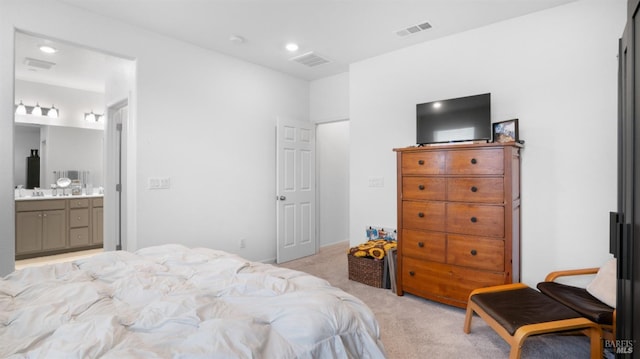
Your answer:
<point x="474" y="219"/>
<point x="78" y="218"/>
<point x="420" y="162"/>
<point x="421" y="187"/>
<point x="474" y="252"/>
<point x="412" y="273"/>
<point x="474" y="189"/>
<point x="420" y="214"/>
<point x="420" y="244"/>
<point x="474" y="161"/>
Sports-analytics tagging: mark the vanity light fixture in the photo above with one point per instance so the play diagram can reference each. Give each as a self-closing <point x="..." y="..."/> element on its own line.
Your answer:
<point x="90" y="117"/>
<point x="37" y="111"/>
<point x="94" y="117"/>
<point x="53" y="112"/>
<point x="22" y="109"/>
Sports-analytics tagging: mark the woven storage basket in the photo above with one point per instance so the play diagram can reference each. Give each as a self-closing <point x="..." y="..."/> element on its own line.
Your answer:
<point x="366" y="270"/>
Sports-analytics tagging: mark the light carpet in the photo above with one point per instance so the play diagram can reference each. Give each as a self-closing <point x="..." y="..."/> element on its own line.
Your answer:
<point x="412" y="327"/>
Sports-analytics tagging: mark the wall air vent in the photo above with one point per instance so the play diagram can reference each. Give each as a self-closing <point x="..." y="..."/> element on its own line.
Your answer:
<point x="310" y="59"/>
<point x="41" y="64"/>
<point x="413" y="29"/>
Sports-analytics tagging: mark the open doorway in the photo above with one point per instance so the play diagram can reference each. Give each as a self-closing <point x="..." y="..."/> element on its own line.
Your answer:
<point x="79" y="85"/>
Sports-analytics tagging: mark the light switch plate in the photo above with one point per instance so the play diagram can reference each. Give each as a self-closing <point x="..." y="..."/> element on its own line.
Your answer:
<point x="376" y="181"/>
<point x="159" y="182"/>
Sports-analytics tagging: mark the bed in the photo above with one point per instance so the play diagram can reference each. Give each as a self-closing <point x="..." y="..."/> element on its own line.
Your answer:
<point x="171" y="301"/>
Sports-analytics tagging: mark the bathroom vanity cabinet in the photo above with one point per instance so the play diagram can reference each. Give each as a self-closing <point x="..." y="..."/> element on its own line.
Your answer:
<point x="57" y="225"/>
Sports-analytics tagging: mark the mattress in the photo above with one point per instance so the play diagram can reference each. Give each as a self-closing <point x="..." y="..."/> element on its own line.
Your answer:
<point x="171" y="301"/>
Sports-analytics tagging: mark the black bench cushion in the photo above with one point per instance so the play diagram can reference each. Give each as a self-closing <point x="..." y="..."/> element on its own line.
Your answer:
<point x="579" y="300"/>
<point x="515" y="308"/>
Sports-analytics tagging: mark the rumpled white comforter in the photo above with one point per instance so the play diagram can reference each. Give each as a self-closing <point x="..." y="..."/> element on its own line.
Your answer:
<point x="174" y="302"/>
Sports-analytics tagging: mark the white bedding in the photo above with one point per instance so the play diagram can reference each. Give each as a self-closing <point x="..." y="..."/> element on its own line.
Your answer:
<point x="174" y="302"/>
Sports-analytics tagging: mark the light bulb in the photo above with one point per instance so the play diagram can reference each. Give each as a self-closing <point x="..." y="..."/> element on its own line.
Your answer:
<point x="21" y="109"/>
<point x="37" y="111"/>
<point x="90" y="117"/>
<point x="53" y="112"/>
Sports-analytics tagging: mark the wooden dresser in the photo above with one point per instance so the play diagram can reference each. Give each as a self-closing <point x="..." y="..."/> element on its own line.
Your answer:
<point x="458" y="219"/>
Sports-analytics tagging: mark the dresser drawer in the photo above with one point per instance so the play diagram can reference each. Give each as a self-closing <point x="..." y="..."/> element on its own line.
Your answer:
<point x="423" y="163"/>
<point x="425" y="188"/>
<point x="476" y="252"/>
<point x="423" y="215"/>
<point x="445" y="282"/>
<point x="79" y="237"/>
<point x="423" y="245"/>
<point x="479" y="190"/>
<point x="79" y="203"/>
<point x="475" y="162"/>
<point x="78" y="217"/>
<point x="479" y="220"/>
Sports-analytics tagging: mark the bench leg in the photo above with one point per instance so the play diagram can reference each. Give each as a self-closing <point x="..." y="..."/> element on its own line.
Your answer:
<point x="468" y="317"/>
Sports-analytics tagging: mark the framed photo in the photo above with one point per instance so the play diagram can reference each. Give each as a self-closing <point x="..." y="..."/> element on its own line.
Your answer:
<point x="506" y="131"/>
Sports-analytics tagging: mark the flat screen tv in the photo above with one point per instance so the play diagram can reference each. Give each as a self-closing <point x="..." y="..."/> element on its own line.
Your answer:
<point x="454" y="120"/>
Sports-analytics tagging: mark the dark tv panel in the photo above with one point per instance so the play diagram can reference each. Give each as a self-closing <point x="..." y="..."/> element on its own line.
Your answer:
<point x="454" y="120"/>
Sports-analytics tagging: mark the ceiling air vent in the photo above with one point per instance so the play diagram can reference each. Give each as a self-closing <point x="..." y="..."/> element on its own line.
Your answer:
<point x="41" y="64"/>
<point x="310" y="59"/>
<point x="413" y="29"/>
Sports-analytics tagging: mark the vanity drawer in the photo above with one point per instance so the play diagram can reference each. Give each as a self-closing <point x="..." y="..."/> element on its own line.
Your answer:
<point x="79" y="237"/>
<point x="79" y="203"/>
<point x="39" y="205"/>
<point x="98" y="202"/>
<point x="480" y="190"/>
<point x="78" y="218"/>
<point x="475" y="252"/>
<point x="423" y="215"/>
<point x="475" y="162"/>
<point x="479" y="220"/>
<point x="423" y="245"/>
<point x="424" y="188"/>
<point x="423" y="163"/>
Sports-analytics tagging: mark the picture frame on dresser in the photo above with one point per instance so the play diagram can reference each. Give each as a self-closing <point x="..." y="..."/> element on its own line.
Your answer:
<point x="506" y="131"/>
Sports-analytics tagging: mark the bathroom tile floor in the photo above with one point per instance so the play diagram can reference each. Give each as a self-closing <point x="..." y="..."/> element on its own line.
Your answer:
<point x="58" y="258"/>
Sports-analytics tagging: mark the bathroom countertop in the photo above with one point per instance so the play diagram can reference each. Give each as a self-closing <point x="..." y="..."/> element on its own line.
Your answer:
<point x="47" y="197"/>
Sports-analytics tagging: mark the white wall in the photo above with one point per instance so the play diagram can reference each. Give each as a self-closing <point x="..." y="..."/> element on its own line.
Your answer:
<point x="556" y="71"/>
<point x="329" y="98"/>
<point x="332" y="164"/>
<point x="203" y="119"/>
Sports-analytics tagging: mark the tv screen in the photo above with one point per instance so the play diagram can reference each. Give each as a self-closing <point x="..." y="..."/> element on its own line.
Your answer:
<point x="454" y="120"/>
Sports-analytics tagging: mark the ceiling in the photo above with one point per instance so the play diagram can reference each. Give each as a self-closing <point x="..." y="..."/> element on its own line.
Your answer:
<point x="340" y="31"/>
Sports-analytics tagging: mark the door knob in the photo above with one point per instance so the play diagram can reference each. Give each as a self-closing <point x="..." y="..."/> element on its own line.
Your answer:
<point x="282" y="198"/>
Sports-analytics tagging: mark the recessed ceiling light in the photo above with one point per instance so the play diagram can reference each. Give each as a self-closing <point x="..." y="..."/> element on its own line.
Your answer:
<point x="237" y="39"/>
<point x="292" y="47"/>
<point x="48" y="49"/>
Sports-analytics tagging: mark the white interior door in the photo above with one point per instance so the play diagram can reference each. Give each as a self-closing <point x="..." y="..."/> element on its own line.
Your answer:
<point x="295" y="190"/>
